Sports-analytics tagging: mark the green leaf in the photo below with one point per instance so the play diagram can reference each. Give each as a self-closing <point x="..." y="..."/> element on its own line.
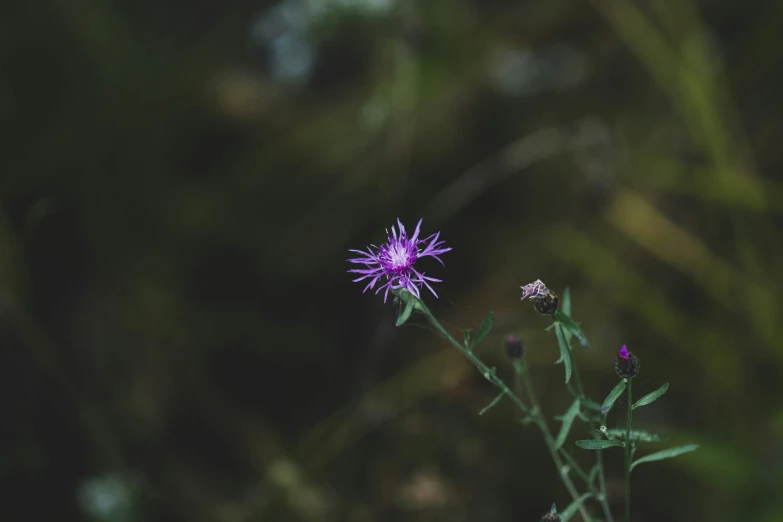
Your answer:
<point x="651" y="397"/>
<point x="491" y="404"/>
<point x="566" y="301"/>
<point x="593" y="444"/>
<point x="568" y="420"/>
<point x="566" y="307"/>
<point x="613" y="396"/>
<point x="483" y="330"/>
<point x="466" y="337"/>
<point x="665" y="454"/>
<point x="565" y="354"/>
<point x="640" y="435"/>
<point x="568" y="512"/>
<point x="593" y="474"/>
<point x="572" y="327"/>
<point x="590" y="404"/>
<point x="406" y="312"/>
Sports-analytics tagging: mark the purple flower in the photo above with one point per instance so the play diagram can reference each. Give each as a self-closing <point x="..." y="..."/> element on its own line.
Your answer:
<point x="623" y="352"/>
<point x="534" y="290"/>
<point x="394" y="261"/>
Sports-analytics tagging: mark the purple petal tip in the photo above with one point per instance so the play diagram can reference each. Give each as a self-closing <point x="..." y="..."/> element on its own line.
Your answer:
<point x="623" y="352"/>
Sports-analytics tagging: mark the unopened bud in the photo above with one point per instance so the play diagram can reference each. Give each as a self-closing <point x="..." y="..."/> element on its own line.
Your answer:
<point x="626" y="365"/>
<point x="514" y="346"/>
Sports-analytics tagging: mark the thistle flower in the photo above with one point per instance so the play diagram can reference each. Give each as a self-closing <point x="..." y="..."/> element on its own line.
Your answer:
<point x="545" y="302"/>
<point x="626" y="365"/>
<point x="535" y="290"/>
<point x="393" y="261"/>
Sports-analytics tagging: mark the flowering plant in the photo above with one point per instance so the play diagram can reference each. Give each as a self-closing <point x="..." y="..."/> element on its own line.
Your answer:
<point x="392" y="265"/>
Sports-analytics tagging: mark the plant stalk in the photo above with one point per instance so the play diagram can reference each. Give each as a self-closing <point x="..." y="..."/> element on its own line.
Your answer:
<point x="535" y="412"/>
<point x="628" y="455"/>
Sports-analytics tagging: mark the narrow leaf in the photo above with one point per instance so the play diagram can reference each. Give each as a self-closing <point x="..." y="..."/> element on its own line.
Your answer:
<point x="572" y="327"/>
<point x="593" y="444"/>
<point x="406" y="312"/>
<point x="590" y="404"/>
<point x="651" y="397"/>
<point x="640" y="435"/>
<point x="613" y="396"/>
<point x="666" y="454"/>
<point x="491" y="404"/>
<point x="566" y="301"/>
<point x="566" y="307"/>
<point x="565" y="354"/>
<point x="466" y="337"/>
<point x="568" y="420"/>
<point x="568" y="512"/>
<point x="483" y="330"/>
<point x="593" y="474"/>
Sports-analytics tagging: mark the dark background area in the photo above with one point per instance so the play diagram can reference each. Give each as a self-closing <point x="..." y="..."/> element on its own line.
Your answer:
<point x="180" y="183"/>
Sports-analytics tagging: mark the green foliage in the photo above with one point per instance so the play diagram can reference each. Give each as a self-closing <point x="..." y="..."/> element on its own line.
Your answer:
<point x="565" y="354"/>
<point x="665" y="454"/>
<point x="651" y="397"/>
<point x="483" y="330"/>
<point x="594" y="444"/>
<point x="613" y="396"/>
<point x="567" y="420"/>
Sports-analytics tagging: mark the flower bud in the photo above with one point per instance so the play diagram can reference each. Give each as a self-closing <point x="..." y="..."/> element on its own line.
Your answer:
<point x="626" y="365"/>
<point x="552" y="516"/>
<point x="547" y="304"/>
<point x="514" y="346"/>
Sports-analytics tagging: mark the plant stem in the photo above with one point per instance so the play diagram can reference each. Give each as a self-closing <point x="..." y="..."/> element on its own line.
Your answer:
<point x="521" y="368"/>
<point x="599" y="454"/>
<point x="628" y="455"/>
<point x="535" y="412"/>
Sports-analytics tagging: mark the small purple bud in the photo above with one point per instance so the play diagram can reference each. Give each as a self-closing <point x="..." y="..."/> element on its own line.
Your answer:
<point x="626" y="365"/>
<point x="514" y="346"/>
<point x="552" y="516"/>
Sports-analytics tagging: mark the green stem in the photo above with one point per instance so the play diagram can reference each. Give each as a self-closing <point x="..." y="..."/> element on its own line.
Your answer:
<point x="599" y="454"/>
<point x="486" y="371"/>
<point x="535" y="412"/>
<point x="540" y="421"/>
<point x="628" y="455"/>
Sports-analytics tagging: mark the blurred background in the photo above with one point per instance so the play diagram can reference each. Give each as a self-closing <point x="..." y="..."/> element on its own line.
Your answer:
<point x="180" y="183"/>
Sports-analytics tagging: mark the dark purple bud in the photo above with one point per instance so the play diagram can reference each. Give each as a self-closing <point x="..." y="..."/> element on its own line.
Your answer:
<point x="514" y="346"/>
<point x="626" y="365"/>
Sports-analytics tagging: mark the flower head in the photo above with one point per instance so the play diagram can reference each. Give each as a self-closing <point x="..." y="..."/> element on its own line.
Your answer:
<point x="535" y="290"/>
<point x="393" y="261"/>
<point x="545" y="302"/>
<point x="626" y="365"/>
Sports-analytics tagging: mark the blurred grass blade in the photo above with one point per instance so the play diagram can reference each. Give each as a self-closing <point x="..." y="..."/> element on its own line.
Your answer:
<point x="665" y="454"/>
<point x="483" y="330"/>
<point x="613" y="396"/>
<point x="651" y="397"/>
<point x="565" y="355"/>
<point x="592" y="444"/>
<point x="568" y="512"/>
<point x="568" y="420"/>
